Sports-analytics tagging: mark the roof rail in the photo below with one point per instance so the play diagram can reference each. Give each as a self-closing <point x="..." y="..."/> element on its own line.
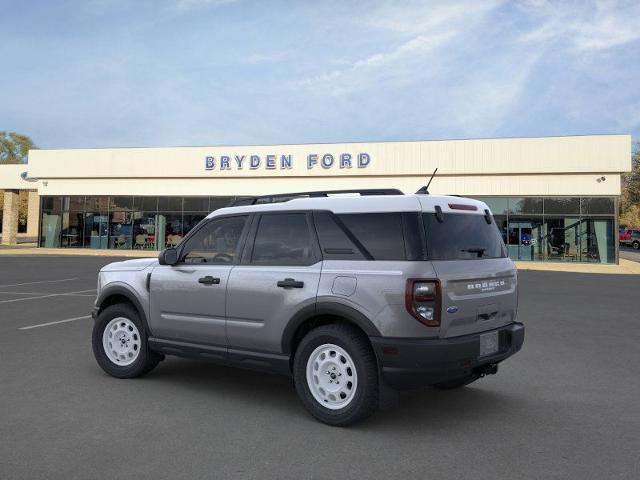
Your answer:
<point x="324" y="193"/>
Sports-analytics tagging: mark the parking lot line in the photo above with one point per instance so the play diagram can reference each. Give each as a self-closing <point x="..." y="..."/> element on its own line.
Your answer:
<point x="47" y="296"/>
<point x="40" y="281"/>
<point x="46" y="293"/>
<point x="55" y="323"/>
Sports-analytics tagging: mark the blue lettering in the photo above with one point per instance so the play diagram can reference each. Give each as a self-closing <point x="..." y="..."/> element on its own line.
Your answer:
<point x="345" y="160"/>
<point x="312" y="159"/>
<point x="363" y="160"/>
<point x="254" y="162"/>
<point x="327" y="160"/>
<point x="209" y="163"/>
<point x="224" y="163"/>
<point x="285" y="162"/>
<point x="271" y="162"/>
<point x="240" y="161"/>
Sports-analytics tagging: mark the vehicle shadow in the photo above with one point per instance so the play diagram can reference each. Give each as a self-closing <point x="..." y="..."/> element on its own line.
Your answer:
<point x="421" y="408"/>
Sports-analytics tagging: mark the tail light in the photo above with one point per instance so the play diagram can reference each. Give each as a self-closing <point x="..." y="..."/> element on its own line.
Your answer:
<point x="422" y="300"/>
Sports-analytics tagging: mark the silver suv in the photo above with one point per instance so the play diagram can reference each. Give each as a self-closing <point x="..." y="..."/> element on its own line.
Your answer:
<point x="353" y="296"/>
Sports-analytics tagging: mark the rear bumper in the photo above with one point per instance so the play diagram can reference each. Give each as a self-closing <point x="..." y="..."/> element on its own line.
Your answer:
<point x="408" y="363"/>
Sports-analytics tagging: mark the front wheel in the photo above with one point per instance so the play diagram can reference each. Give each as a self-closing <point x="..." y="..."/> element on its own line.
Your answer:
<point x="336" y="375"/>
<point x="636" y="245"/>
<point x="120" y="343"/>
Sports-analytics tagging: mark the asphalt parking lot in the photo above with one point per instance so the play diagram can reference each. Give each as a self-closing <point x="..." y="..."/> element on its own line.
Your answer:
<point x="567" y="406"/>
<point x="629" y="253"/>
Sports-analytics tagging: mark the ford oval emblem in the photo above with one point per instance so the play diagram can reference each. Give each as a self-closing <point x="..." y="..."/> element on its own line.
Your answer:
<point x="452" y="309"/>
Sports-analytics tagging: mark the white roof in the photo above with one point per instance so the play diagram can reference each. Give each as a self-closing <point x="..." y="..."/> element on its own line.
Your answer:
<point x="363" y="204"/>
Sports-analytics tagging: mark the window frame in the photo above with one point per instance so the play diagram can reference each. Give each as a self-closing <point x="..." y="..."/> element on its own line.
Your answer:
<point x="204" y="224"/>
<point x="247" y="254"/>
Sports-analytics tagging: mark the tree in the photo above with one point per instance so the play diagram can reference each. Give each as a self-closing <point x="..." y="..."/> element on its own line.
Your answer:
<point x="630" y="198"/>
<point x="14" y="147"/>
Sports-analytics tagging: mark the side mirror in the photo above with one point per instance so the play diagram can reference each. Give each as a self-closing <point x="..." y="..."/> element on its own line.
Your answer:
<point x="168" y="256"/>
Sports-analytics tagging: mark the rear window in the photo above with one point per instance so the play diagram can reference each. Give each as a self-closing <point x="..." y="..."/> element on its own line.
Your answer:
<point x="462" y="237"/>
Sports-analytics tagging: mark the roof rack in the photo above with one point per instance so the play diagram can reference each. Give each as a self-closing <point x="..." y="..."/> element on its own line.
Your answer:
<point x="283" y="197"/>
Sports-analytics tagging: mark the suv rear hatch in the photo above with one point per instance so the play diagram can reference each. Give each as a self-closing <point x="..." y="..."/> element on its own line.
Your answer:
<point x="478" y="282"/>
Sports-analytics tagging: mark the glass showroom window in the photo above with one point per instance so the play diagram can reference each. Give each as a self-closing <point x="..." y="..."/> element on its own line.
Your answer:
<point x="565" y="229"/>
<point x="72" y="222"/>
<point x="96" y="222"/>
<point x="525" y="238"/>
<point x="144" y="230"/>
<point x="562" y="238"/>
<point x="597" y="242"/>
<point x="120" y="229"/>
<point x="51" y="224"/>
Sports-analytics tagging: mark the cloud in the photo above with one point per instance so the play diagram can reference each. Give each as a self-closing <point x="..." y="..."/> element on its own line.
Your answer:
<point x="605" y="25"/>
<point x="480" y="105"/>
<point x="418" y="29"/>
<point x="264" y="57"/>
<point x="187" y="5"/>
<point x="419" y="17"/>
<point x="364" y="72"/>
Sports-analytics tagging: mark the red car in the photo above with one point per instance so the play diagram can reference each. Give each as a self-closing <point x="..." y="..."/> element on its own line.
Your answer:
<point x="629" y="237"/>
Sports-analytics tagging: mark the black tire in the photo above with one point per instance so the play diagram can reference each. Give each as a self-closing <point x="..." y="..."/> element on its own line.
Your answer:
<point x="457" y="383"/>
<point x="146" y="360"/>
<point x="355" y="343"/>
<point x="636" y="245"/>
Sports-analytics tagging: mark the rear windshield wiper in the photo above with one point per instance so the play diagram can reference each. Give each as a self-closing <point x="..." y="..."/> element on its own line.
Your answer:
<point x="479" y="250"/>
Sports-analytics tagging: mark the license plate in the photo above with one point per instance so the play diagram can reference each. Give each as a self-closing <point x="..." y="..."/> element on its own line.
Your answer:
<point x="489" y="343"/>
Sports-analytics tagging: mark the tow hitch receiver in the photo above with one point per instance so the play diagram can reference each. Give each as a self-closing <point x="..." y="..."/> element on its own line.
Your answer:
<point x="489" y="369"/>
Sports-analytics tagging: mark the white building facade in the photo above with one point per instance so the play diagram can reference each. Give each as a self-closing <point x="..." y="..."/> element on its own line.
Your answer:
<point x="554" y="198"/>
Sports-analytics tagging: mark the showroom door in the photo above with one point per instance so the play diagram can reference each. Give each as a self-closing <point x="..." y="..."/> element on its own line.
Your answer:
<point x="525" y="240"/>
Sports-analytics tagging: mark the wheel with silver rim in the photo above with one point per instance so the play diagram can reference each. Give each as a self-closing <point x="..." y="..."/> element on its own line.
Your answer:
<point x="121" y="341"/>
<point x="336" y="374"/>
<point x="331" y="376"/>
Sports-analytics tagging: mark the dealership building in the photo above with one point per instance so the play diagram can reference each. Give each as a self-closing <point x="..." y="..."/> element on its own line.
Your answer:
<point x="553" y="198"/>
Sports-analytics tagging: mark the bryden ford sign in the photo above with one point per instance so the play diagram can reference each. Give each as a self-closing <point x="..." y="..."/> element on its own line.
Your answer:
<point x="286" y="162"/>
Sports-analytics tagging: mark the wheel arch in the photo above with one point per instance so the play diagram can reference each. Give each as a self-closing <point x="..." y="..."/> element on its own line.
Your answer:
<point x="115" y="294"/>
<point x="323" y="313"/>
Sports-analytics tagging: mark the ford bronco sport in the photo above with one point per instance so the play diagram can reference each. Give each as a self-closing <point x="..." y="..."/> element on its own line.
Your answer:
<point x="350" y="295"/>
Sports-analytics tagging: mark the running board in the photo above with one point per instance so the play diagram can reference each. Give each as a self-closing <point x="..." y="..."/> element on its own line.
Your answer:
<point x="252" y="360"/>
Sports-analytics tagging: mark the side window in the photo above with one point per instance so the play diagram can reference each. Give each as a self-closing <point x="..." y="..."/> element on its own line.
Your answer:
<point x="283" y="239"/>
<point x="334" y="242"/>
<point x="380" y="233"/>
<point x="216" y="243"/>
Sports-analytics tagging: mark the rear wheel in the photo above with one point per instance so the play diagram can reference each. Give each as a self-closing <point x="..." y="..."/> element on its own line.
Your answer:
<point x="120" y="343"/>
<point x="336" y="375"/>
<point x="636" y="245"/>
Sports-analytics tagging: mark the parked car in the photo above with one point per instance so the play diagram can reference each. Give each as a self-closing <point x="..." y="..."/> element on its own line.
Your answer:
<point x="351" y="296"/>
<point x="629" y="237"/>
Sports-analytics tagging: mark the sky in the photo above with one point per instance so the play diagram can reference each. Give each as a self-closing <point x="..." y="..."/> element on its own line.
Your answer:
<point x="115" y="73"/>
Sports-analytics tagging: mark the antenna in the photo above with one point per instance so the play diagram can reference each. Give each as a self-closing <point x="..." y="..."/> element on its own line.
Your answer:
<point x="425" y="190"/>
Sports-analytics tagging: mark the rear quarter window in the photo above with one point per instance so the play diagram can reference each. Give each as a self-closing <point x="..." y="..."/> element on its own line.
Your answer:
<point x="381" y="234"/>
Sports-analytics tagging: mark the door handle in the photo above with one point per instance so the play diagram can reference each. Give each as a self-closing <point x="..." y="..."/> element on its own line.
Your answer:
<point x="290" y="283"/>
<point x="209" y="280"/>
